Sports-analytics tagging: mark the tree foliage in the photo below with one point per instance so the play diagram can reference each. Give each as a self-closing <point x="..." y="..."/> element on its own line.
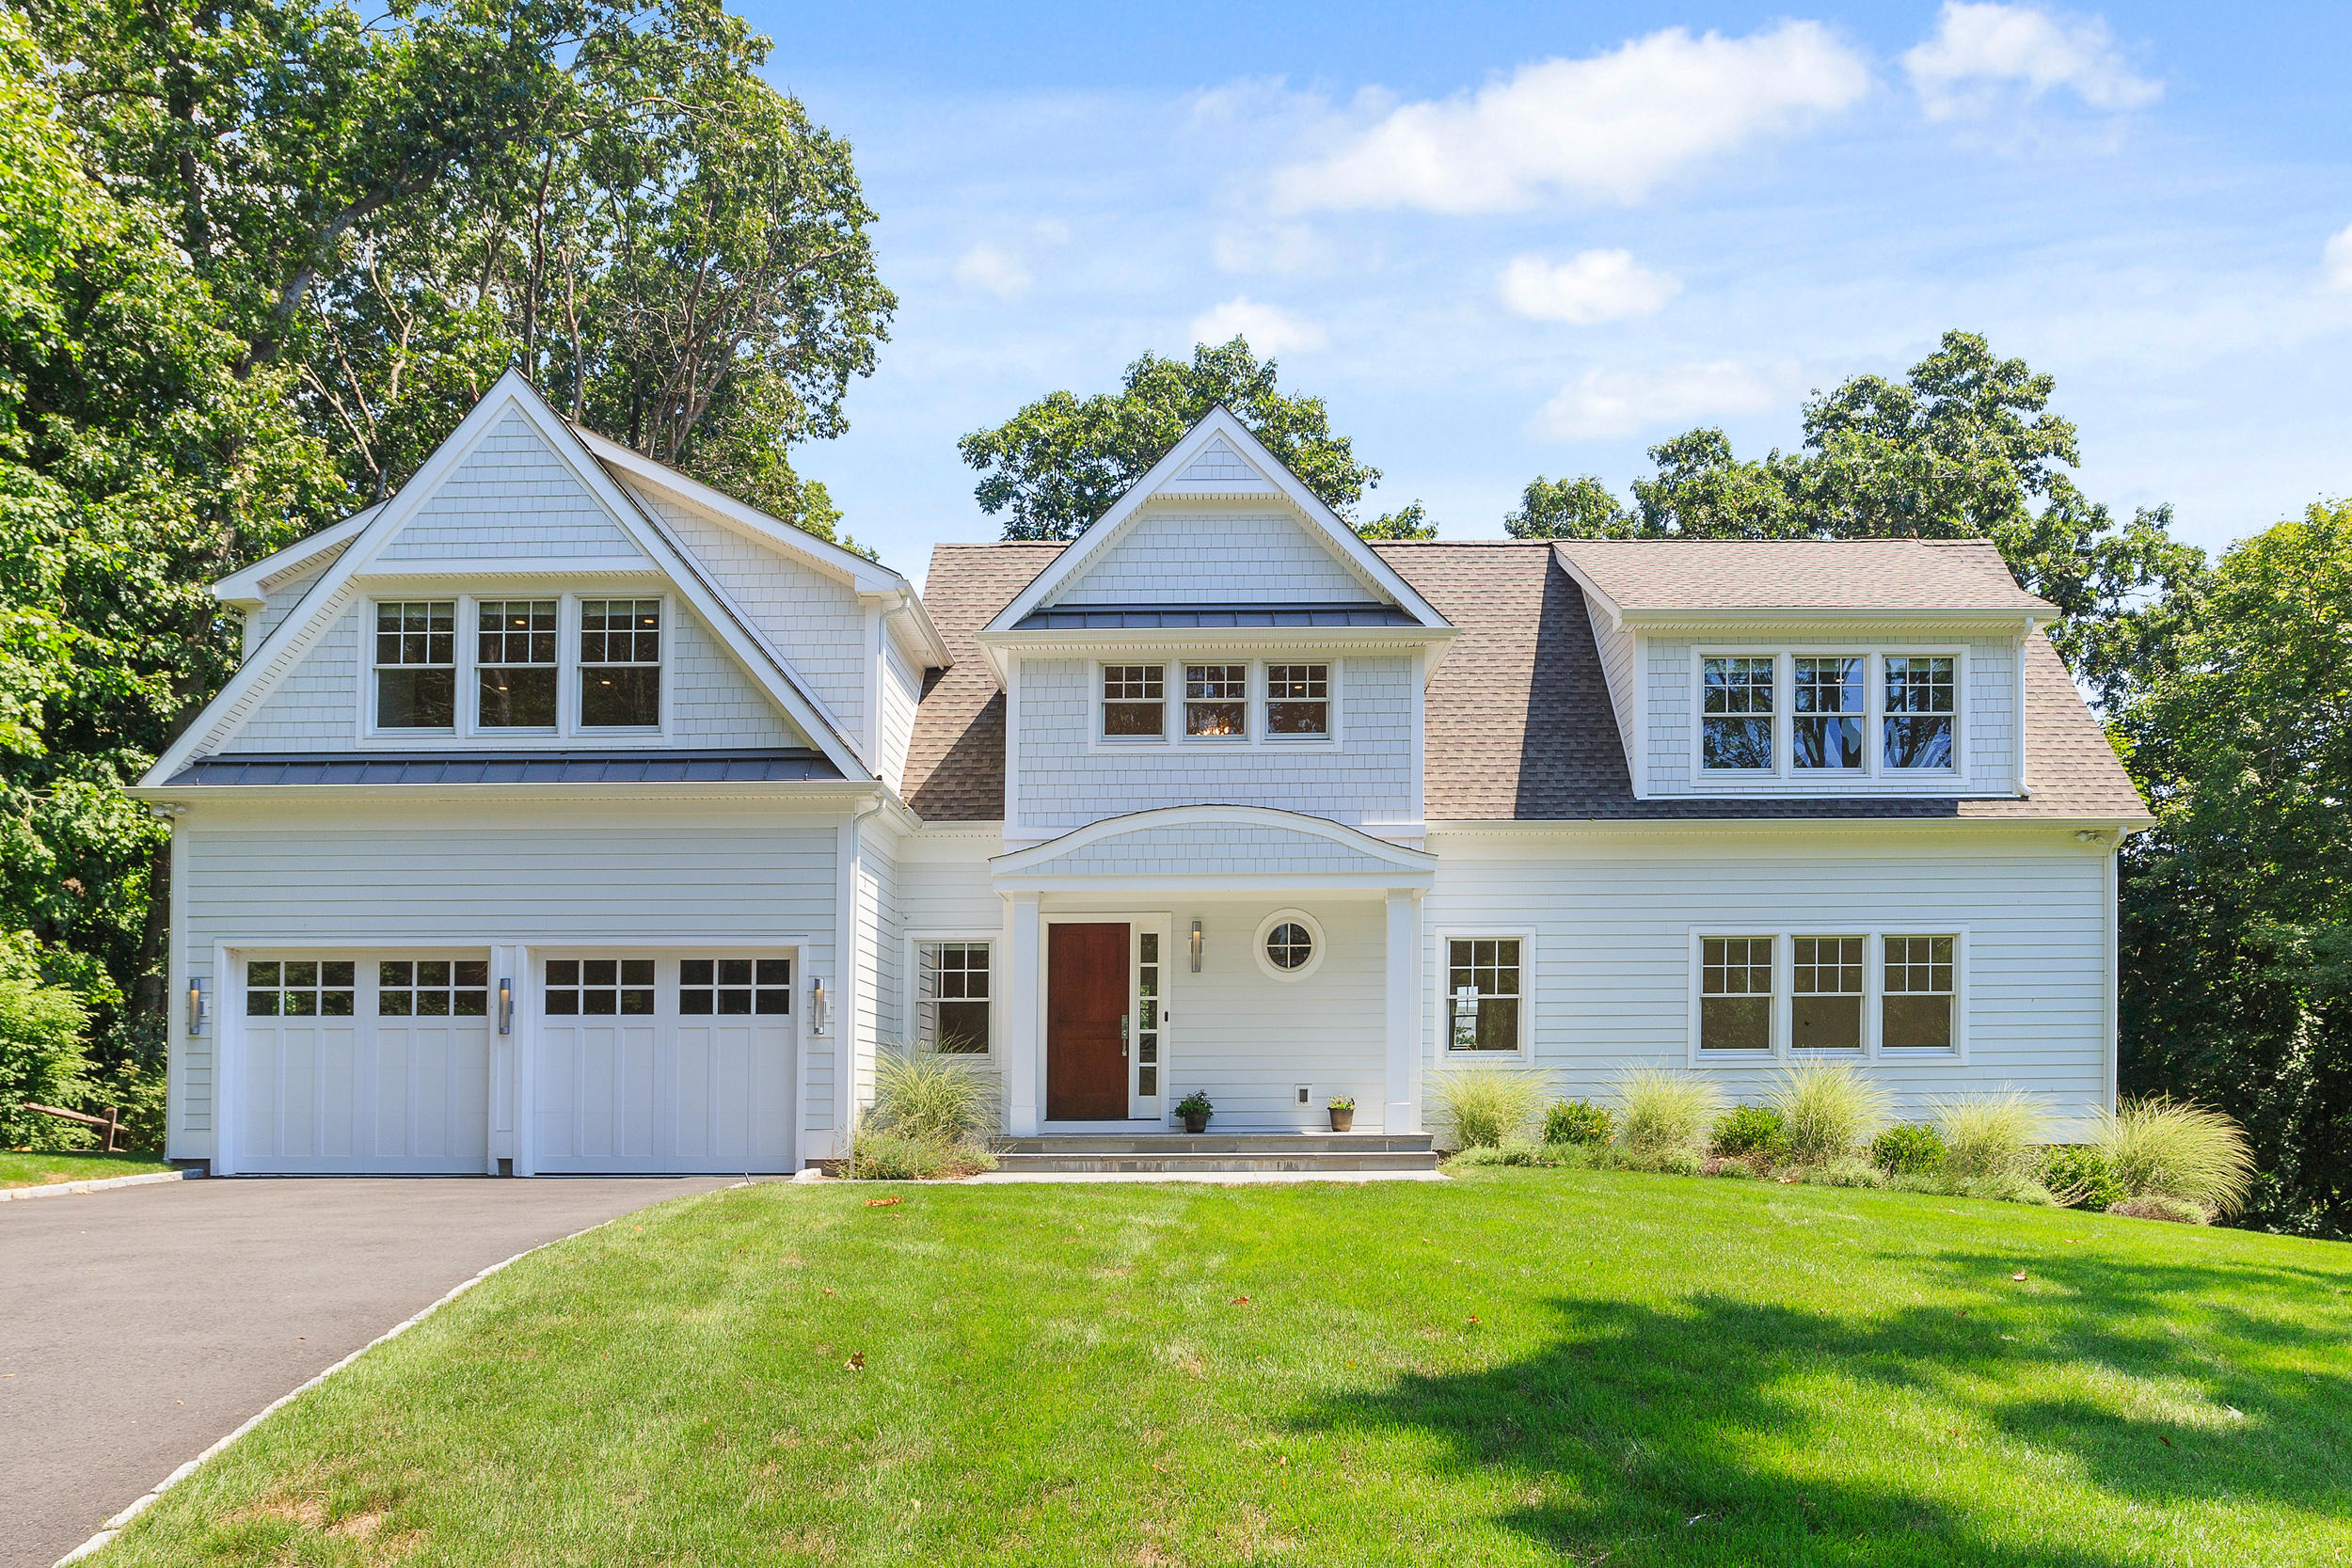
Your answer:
<point x="1060" y="462"/>
<point x="2237" y="907"/>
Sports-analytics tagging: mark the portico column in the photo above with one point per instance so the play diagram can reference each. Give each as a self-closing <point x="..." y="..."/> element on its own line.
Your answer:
<point x="1021" y="1056"/>
<point x="1400" y="1112"/>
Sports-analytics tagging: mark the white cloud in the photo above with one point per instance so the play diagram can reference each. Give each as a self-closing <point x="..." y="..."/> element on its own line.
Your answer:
<point x="1591" y="286"/>
<point x="1269" y="328"/>
<point x="1982" y="48"/>
<point x="1625" y="403"/>
<point x="991" y="267"/>
<point x="1609" y="127"/>
<point x="1287" y="248"/>
<point x="2337" y="260"/>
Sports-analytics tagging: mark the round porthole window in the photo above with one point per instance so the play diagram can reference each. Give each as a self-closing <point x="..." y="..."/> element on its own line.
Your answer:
<point x="1290" y="945"/>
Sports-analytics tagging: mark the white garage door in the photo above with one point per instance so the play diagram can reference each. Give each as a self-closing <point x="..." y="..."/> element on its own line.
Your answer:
<point x="664" y="1063"/>
<point x="358" y="1063"/>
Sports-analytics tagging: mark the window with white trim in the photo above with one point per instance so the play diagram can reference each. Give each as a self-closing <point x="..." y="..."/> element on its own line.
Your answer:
<point x="1736" y="712"/>
<point x="620" y="663"/>
<point x="951" y="997"/>
<point x="416" y="664"/>
<point x="1831" y="699"/>
<point x="1484" y="994"/>
<point x="1919" y="995"/>
<point x="1825" y="1003"/>
<point x="1298" y="702"/>
<point x="514" y="664"/>
<point x="1736" y="994"/>
<point x="1134" y="701"/>
<point x="1217" y="701"/>
<point x="1921" y="695"/>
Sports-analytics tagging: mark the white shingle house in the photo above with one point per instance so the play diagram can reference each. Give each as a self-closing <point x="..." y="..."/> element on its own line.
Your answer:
<point x="568" y="815"/>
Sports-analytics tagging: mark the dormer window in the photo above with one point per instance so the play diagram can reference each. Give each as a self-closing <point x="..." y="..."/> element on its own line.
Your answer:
<point x="1298" y="702"/>
<point x="1736" y="733"/>
<point x="620" y="663"/>
<point x="1831" y="696"/>
<point x="514" y="664"/>
<point x="1217" y="701"/>
<point x="1920" y="705"/>
<point x="416" y="664"/>
<point x="1134" y="701"/>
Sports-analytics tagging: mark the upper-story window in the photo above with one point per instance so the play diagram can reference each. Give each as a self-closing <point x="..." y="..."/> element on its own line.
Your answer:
<point x="1217" y="701"/>
<point x="1737" y="730"/>
<point x="1920" y="692"/>
<point x="1298" y="702"/>
<point x="416" y="664"/>
<point x="1831" y="699"/>
<point x="1134" y="701"/>
<point x="514" y="664"/>
<point x="620" y="663"/>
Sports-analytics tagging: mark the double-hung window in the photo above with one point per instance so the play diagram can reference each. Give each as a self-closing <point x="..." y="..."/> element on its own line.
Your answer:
<point x="1825" y="1009"/>
<point x="1736" y="994"/>
<point x="1828" y="713"/>
<point x="951" y="996"/>
<point x="1483" y="993"/>
<point x="416" y="664"/>
<point x="620" y="663"/>
<point x="514" y="664"/>
<point x="1134" y="701"/>
<point x="1737" y="710"/>
<point x="1920" y="699"/>
<point x="1917" y="1003"/>
<point x="1298" y="702"/>
<point x="1217" y="701"/>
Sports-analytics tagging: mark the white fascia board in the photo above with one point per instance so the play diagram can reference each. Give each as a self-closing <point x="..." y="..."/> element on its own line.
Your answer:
<point x="244" y="588"/>
<point x="1001" y="646"/>
<point x="1411" y="861"/>
<point x="1775" y="828"/>
<point x="1343" y="541"/>
<point x="911" y="626"/>
<point x="851" y="790"/>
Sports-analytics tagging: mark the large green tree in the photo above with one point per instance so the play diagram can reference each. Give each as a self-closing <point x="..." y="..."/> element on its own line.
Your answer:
<point x="1060" y="462"/>
<point x="2237" y="907"/>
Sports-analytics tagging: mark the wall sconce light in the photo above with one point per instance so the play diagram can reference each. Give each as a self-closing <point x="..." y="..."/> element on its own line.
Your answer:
<point x="196" y="1007"/>
<point x="506" y="1007"/>
<point x="817" y="1007"/>
<point x="1196" y="947"/>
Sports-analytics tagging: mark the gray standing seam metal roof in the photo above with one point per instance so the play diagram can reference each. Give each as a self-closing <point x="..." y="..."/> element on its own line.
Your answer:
<point x="778" y="765"/>
<point x="1192" y="617"/>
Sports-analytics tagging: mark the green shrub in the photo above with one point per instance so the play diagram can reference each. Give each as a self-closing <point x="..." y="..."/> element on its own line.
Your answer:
<point x="2166" y="1148"/>
<point x="1665" y="1119"/>
<point x="2156" y="1206"/>
<point x="1578" y="1121"/>
<point x="2077" y="1177"/>
<point x="1989" y="1137"/>
<point x="882" y="1156"/>
<point x="1907" y="1149"/>
<point x="42" y="1059"/>
<point x="926" y="1095"/>
<point x="1482" y="1107"/>
<point x="1746" y="1129"/>
<point x="1827" y="1109"/>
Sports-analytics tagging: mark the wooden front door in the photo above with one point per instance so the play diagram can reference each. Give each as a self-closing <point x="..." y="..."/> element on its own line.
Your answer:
<point x="1086" y="1015"/>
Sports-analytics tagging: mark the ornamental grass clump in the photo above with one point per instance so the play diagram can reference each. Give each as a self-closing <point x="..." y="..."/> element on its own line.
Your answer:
<point x="1827" y="1110"/>
<point x="930" y="1113"/>
<point x="2168" y="1148"/>
<point x="1665" y="1117"/>
<point x="1475" y="1108"/>
<point x="1990" y="1137"/>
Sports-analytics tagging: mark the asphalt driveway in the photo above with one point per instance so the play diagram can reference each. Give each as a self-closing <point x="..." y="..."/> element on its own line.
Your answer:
<point x="139" y="1326"/>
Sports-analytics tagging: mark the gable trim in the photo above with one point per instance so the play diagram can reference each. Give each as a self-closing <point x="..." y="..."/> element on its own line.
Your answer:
<point x="1398" y="860"/>
<point x="248" y="588"/>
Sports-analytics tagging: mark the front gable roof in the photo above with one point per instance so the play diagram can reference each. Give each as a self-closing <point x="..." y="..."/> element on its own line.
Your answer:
<point x="367" y="537"/>
<point x="1220" y="456"/>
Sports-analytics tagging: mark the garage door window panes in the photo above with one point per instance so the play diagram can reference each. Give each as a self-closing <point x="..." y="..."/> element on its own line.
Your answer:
<point x="737" y="986"/>
<point x="596" y="988"/>
<point x="433" y="988"/>
<point x="300" y="988"/>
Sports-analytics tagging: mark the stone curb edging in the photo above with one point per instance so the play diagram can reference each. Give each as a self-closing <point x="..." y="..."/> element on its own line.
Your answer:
<point x="115" y="1526"/>
<point x="96" y="1184"/>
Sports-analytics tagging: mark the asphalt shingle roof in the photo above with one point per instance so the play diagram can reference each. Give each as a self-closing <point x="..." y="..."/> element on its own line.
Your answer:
<point x="1801" y="574"/>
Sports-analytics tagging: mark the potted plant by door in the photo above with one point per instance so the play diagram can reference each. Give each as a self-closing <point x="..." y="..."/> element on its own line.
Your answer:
<point x="1342" y="1114"/>
<point x="1196" y="1110"/>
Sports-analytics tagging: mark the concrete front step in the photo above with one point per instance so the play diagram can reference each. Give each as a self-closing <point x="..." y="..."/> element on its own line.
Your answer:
<point x="1180" y="1164"/>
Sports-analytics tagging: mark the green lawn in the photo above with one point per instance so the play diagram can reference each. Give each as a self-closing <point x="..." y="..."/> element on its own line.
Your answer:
<point x="36" y="1170"/>
<point x="1520" y="1367"/>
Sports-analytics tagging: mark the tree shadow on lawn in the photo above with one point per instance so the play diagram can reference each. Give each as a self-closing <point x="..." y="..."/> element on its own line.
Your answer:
<point x="1644" y="1435"/>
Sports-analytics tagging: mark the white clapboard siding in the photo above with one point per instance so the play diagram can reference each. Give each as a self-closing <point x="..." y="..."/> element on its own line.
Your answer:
<point x="511" y="496"/>
<point x="1610" y="971"/>
<point x="1066" y="781"/>
<point x="879" y="938"/>
<point x="1170" y="554"/>
<point x="486" y="871"/>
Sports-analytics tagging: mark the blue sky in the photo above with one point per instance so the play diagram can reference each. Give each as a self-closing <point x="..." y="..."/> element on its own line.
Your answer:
<point x="1510" y="240"/>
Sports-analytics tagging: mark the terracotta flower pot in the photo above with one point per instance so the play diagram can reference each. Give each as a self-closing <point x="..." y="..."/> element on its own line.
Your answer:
<point x="1343" y="1122"/>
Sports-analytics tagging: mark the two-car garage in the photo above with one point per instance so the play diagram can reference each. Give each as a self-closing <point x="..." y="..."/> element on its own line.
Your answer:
<point x="411" y="1062"/>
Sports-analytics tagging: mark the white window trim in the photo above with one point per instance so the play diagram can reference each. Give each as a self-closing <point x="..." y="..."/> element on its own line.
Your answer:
<point x="1872" y="776"/>
<point x="1267" y="965"/>
<point x="1444" y="1055"/>
<point x="1172" y="735"/>
<point x="1873" y="934"/>
<point x="913" y="970"/>
<point x="460" y="668"/>
<point x="568" y="734"/>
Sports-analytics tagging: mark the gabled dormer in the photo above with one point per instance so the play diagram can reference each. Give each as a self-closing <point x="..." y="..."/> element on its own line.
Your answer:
<point x="536" y="590"/>
<point x="1864" y="668"/>
<point x="1217" y="636"/>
